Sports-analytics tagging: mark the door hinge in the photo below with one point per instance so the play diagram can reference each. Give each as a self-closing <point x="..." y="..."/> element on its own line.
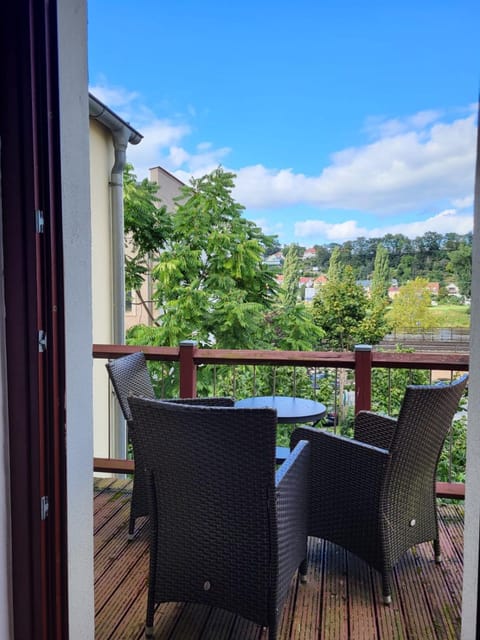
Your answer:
<point x="44" y="507"/>
<point x="40" y="220"/>
<point x="42" y="340"/>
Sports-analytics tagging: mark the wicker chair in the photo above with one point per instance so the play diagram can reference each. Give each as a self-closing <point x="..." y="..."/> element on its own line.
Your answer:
<point x="375" y="495"/>
<point x="227" y="529"/>
<point x="129" y="376"/>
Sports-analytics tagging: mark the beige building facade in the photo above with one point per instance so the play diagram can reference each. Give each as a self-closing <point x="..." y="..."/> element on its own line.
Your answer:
<point x="109" y="136"/>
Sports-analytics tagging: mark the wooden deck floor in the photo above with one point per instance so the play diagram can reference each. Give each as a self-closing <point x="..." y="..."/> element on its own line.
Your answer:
<point x="339" y="602"/>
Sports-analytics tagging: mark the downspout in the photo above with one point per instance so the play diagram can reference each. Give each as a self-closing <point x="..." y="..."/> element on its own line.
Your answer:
<point x="120" y="142"/>
<point x="118" y="434"/>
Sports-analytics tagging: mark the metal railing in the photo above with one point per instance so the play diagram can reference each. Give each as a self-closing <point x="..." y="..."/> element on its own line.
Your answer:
<point x="360" y="363"/>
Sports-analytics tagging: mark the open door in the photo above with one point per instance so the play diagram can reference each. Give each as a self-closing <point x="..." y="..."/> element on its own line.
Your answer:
<point x="32" y="231"/>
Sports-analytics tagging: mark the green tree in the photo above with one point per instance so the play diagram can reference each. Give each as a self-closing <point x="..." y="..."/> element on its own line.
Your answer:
<point x="292" y="269"/>
<point x="342" y="310"/>
<point x="340" y="307"/>
<point x="210" y="281"/>
<point x="461" y="267"/>
<point x="410" y="309"/>
<point x="381" y="274"/>
<point x="146" y="227"/>
<point x="335" y="266"/>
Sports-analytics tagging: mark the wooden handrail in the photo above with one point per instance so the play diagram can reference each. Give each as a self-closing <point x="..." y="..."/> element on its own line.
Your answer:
<point x="453" y="490"/>
<point x="112" y="465"/>
<point x="343" y="359"/>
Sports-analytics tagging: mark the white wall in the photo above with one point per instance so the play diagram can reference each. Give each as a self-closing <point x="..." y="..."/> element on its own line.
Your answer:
<point x="78" y="314"/>
<point x="102" y="157"/>
<point x="6" y="621"/>
<point x="472" y="488"/>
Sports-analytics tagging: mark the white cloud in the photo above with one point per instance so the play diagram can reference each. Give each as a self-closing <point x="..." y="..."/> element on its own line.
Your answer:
<point x="448" y="221"/>
<point x="463" y="203"/>
<point x="379" y="127"/>
<point x="422" y="162"/>
<point x="158" y="138"/>
<point x="115" y="98"/>
<point x="410" y="170"/>
<point x="161" y="136"/>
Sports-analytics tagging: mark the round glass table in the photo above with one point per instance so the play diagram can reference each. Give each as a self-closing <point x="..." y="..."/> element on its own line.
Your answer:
<point x="290" y="410"/>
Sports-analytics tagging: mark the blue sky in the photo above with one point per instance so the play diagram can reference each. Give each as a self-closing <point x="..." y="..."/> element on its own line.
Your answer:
<point x="340" y="119"/>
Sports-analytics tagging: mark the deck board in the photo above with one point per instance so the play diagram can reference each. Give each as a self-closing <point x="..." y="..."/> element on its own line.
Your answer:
<point x="341" y="600"/>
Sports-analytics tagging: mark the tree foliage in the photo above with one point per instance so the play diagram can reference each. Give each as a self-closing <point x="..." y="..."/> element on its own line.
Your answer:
<point x="341" y="309"/>
<point x="428" y="256"/>
<point x="381" y="274"/>
<point x="292" y="270"/>
<point x="410" y="308"/>
<point x="146" y="227"/>
<point x="210" y="282"/>
<point x="461" y="267"/>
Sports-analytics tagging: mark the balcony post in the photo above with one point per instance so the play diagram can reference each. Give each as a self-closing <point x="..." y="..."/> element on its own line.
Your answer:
<point x="188" y="369"/>
<point x="363" y="377"/>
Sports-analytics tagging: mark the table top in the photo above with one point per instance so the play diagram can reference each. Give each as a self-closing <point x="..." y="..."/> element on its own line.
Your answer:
<point x="290" y="410"/>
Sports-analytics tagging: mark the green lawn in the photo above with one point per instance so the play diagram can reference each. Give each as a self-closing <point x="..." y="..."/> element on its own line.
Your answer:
<point x="451" y="315"/>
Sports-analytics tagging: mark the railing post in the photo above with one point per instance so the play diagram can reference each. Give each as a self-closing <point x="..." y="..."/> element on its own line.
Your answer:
<point x="188" y="369"/>
<point x="363" y="377"/>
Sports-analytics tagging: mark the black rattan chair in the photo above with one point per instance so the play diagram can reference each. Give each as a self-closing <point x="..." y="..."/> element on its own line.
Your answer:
<point x="129" y="376"/>
<point x="375" y="495"/>
<point x="227" y="529"/>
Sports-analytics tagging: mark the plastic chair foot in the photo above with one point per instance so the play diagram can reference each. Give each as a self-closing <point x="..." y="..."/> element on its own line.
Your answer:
<point x="149" y="632"/>
<point x="387" y="599"/>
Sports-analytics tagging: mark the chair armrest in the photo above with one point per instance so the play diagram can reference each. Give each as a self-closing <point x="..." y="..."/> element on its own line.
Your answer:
<point x="299" y="456"/>
<point x="375" y="429"/>
<point x="292" y="501"/>
<point x="346" y="476"/>
<point x="329" y="449"/>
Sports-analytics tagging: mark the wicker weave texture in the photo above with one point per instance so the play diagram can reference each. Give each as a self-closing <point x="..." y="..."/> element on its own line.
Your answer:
<point x="130" y="377"/>
<point x="376" y="497"/>
<point x="217" y="523"/>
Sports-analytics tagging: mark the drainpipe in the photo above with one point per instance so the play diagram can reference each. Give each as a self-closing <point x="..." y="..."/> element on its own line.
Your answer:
<point x="118" y="428"/>
<point x="120" y="141"/>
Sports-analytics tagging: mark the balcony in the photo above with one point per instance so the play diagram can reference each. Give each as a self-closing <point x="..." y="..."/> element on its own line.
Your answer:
<point x="342" y="598"/>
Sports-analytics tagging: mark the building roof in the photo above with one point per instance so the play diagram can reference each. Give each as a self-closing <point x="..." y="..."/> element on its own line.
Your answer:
<point x="168" y="174"/>
<point x="107" y="117"/>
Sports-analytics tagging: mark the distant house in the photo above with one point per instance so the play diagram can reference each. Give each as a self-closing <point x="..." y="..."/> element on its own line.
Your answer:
<point x="433" y="288"/>
<point x="320" y="280"/>
<point x="306" y="282"/>
<point x="169" y="186"/>
<point x="275" y="260"/>
<point x="393" y="292"/>
<point x="309" y="253"/>
<point x="452" y="289"/>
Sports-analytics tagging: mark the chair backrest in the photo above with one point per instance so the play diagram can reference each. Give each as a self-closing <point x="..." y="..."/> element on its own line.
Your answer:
<point x="129" y="376"/>
<point x="423" y="423"/>
<point x="212" y="472"/>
